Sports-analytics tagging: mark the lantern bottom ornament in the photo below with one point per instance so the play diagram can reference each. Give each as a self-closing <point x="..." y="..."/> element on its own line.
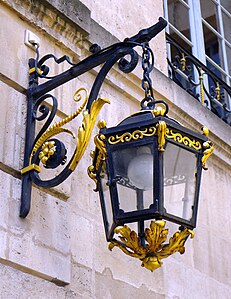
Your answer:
<point x="155" y="250"/>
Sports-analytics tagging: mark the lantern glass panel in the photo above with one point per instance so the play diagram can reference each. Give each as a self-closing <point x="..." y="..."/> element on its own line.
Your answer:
<point x="179" y="181"/>
<point x="133" y="173"/>
<point x="106" y="196"/>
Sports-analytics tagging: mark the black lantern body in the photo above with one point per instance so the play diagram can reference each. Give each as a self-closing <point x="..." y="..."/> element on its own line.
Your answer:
<point x="149" y="168"/>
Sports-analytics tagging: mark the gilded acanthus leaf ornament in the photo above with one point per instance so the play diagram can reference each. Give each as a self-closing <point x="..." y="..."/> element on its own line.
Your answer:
<point x="154" y="250"/>
<point x="161" y="133"/>
<point x="84" y="132"/>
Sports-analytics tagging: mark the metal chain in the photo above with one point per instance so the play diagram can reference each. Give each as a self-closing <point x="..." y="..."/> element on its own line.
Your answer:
<point x="147" y="65"/>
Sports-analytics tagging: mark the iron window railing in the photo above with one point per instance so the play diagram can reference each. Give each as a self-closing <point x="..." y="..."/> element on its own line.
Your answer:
<point x="197" y="79"/>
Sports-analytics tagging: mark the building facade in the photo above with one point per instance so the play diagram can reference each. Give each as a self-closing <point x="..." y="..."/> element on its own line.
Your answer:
<point x="59" y="250"/>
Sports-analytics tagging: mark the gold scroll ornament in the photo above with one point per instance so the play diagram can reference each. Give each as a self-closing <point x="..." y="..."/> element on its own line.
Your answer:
<point x="177" y="137"/>
<point x="135" y="135"/>
<point x="151" y="255"/>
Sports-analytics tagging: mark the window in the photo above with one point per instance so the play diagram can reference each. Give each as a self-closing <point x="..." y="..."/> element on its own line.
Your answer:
<point x="203" y="27"/>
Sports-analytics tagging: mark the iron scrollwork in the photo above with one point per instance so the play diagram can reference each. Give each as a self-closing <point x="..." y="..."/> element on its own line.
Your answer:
<point x="155" y="250"/>
<point x="199" y="80"/>
<point x="45" y="150"/>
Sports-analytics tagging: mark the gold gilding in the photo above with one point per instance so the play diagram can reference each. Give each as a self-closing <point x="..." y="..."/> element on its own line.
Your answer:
<point x="48" y="150"/>
<point x="30" y="167"/>
<point x="176" y="136"/>
<point x="152" y="254"/>
<point x="84" y="131"/>
<point x="183" y="62"/>
<point x="208" y="150"/>
<point x="205" y="131"/>
<point x="218" y="91"/>
<point x="161" y="133"/>
<point x="99" y="141"/>
<point x="137" y="134"/>
<point x="92" y="174"/>
<point x="57" y="127"/>
<point x="202" y="92"/>
<point x="101" y="124"/>
<point x="33" y="69"/>
<point x="159" y="111"/>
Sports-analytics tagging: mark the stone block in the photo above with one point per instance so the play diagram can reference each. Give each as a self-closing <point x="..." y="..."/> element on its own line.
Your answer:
<point x="12" y="47"/>
<point x="81" y="238"/>
<point x="110" y="288"/>
<point x="123" y="20"/>
<point x="217" y="289"/>
<point x="12" y="129"/>
<point x="176" y="280"/>
<point x="42" y="236"/>
<point x="76" y="11"/>
<point x="82" y="281"/>
<point x="14" y="26"/>
<point x="121" y="265"/>
<point x="15" y="284"/>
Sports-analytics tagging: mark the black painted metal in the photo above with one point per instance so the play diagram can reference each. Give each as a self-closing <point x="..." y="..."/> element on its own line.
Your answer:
<point x="29" y="139"/>
<point x="37" y="93"/>
<point x="178" y="73"/>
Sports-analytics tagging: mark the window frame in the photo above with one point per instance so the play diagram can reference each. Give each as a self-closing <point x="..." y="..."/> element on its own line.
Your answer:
<point x="197" y="44"/>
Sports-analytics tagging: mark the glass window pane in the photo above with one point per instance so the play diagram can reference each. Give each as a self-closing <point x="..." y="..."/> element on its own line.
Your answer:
<point x="222" y="96"/>
<point x="179" y="181"/>
<point x="227" y="26"/>
<point x="228" y="53"/>
<point x="209" y="13"/>
<point x="133" y="170"/>
<point x="226" y="4"/>
<point x="215" y="71"/>
<point x="106" y="195"/>
<point x="212" y="46"/>
<point x="178" y="16"/>
<point x="181" y="63"/>
<point x="182" y="42"/>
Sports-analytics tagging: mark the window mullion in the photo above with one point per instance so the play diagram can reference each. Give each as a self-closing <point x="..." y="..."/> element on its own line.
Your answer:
<point x="197" y="30"/>
<point x="223" y="46"/>
<point x="167" y="28"/>
<point x="197" y="38"/>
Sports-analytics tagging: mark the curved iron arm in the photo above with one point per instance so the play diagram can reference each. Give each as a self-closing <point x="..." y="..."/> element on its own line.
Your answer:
<point x="48" y="150"/>
<point x="121" y="52"/>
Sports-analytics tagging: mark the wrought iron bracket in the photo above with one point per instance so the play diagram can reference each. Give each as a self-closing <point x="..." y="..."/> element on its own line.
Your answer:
<point x="51" y="152"/>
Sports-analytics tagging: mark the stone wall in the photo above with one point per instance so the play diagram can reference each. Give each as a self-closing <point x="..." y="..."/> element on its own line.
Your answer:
<point x="59" y="250"/>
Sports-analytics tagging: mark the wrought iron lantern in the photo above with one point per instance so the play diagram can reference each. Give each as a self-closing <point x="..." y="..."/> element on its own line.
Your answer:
<point x="149" y="168"/>
<point x="146" y="169"/>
